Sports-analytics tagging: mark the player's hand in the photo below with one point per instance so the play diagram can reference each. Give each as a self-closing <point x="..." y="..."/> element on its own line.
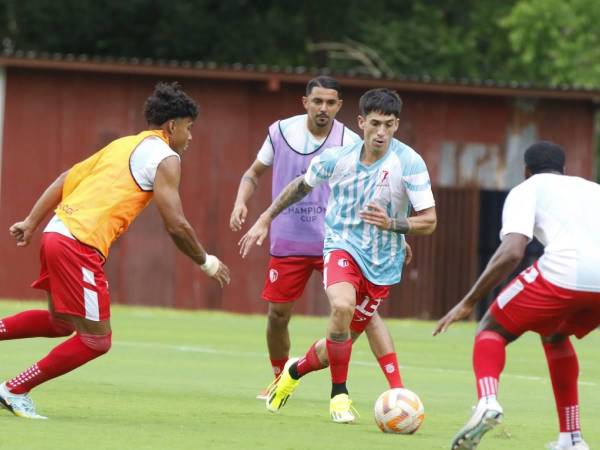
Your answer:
<point x="375" y="215"/>
<point x="460" y="311"/>
<point x="222" y="275"/>
<point x="22" y="232"/>
<point x="255" y="235"/>
<point x="238" y="217"/>
<point x="409" y="254"/>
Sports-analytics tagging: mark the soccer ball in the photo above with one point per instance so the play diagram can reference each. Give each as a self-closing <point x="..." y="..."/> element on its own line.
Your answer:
<point x="399" y="411"/>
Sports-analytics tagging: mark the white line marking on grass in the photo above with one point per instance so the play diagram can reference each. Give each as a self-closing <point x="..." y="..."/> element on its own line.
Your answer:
<point x="194" y="349"/>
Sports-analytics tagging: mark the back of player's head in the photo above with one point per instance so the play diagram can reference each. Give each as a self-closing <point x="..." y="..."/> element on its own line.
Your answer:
<point x="545" y="156"/>
<point x="168" y="101"/>
<point x="324" y="82"/>
<point x="382" y="100"/>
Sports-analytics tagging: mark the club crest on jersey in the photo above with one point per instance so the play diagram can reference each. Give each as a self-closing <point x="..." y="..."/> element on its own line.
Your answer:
<point x="343" y="262"/>
<point x="385" y="174"/>
<point x="273" y="275"/>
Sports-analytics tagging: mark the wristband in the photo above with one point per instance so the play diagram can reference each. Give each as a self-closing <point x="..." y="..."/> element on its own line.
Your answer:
<point x="211" y="265"/>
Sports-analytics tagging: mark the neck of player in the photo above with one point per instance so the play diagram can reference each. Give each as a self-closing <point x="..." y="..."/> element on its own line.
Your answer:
<point x="370" y="154"/>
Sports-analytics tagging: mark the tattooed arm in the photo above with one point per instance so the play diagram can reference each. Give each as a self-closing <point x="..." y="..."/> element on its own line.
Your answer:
<point x="293" y="192"/>
<point x="248" y="185"/>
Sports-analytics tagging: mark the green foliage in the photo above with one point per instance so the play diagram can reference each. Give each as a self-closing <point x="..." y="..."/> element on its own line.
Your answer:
<point x="557" y="40"/>
<point x="526" y="40"/>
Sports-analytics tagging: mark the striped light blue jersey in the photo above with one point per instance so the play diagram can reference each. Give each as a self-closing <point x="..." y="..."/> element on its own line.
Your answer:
<point x="395" y="182"/>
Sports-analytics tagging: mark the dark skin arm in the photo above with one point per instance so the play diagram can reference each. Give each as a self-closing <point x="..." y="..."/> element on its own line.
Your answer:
<point x="292" y="193"/>
<point x="504" y="261"/>
<point x="23" y="231"/>
<point x="168" y="201"/>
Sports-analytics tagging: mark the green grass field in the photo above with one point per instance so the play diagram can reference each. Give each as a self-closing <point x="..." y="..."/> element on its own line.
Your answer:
<point x="187" y="380"/>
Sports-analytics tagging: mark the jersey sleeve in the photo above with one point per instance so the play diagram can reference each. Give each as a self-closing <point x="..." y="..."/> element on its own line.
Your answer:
<point x="417" y="184"/>
<point x="266" y="153"/>
<point x="518" y="214"/>
<point x="145" y="160"/>
<point x="321" y="167"/>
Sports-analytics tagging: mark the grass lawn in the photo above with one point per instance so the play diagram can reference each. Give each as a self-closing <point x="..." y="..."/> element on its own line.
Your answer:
<point x="187" y="380"/>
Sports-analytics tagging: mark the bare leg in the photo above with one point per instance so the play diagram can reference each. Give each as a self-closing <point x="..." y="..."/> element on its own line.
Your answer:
<point x="278" y="337"/>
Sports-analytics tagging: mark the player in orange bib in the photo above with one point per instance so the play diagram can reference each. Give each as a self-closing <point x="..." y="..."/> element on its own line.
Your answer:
<point x="94" y="202"/>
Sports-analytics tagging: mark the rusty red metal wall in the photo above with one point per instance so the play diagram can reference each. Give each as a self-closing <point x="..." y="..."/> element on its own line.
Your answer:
<point x="55" y="118"/>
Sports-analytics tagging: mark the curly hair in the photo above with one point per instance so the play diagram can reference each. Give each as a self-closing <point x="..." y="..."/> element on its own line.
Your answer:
<point x="168" y="101"/>
<point x="545" y="156"/>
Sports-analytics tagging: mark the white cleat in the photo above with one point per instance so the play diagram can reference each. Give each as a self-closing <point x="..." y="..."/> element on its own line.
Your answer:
<point x="579" y="446"/>
<point x="486" y="416"/>
<point x="20" y="405"/>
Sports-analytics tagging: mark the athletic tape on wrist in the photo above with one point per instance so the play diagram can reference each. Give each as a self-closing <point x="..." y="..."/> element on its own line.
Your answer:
<point x="211" y="265"/>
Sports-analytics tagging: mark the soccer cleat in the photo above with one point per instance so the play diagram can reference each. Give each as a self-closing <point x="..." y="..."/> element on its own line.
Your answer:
<point x="20" y="405"/>
<point x="284" y="386"/>
<point x="264" y="394"/>
<point x="486" y="416"/>
<point x="579" y="446"/>
<point x="341" y="410"/>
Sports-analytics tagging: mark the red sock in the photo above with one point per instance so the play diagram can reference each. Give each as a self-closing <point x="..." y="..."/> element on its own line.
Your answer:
<point x="33" y="323"/>
<point x="489" y="356"/>
<point x="338" y="354"/>
<point x="389" y="367"/>
<point x="277" y="366"/>
<point x="309" y="362"/>
<point x="63" y="358"/>
<point x="564" y="370"/>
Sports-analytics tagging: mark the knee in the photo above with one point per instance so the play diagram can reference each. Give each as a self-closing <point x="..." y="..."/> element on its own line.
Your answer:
<point x="279" y="316"/>
<point x="98" y="343"/>
<point x="342" y="307"/>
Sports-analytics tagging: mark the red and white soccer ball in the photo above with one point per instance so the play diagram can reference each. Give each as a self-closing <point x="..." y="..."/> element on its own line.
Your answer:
<point x="399" y="411"/>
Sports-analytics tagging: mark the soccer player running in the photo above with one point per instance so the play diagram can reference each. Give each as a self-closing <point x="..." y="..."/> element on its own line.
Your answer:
<point x="94" y="202"/>
<point x="373" y="183"/>
<point x="297" y="235"/>
<point x="558" y="296"/>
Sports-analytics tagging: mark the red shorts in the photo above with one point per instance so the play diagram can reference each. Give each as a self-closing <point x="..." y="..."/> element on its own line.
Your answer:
<point x="287" y="277"/>
<point x="532" y="303"/>
<point x="73" y="275"/>
<point x="340" y="266"/>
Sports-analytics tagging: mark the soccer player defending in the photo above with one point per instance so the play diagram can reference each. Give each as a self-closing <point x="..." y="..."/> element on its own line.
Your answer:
<point x="94" y="202"/>
<point x="558" y="296"/>
<point x="372" y="184"/>
<point x="297" y="235"/>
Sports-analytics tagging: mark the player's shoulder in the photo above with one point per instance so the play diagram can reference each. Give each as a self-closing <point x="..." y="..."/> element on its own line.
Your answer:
<point x="342" y="151"/>
<point x="350" y="137"/>
<point x="293" y="121"/>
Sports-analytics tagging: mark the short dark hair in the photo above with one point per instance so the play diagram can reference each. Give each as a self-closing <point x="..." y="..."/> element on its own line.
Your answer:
<point x="324" y="82"/>
<point x="382" y="100"/>
<point x="545" y="156"/>
<point x="168" y="101"/>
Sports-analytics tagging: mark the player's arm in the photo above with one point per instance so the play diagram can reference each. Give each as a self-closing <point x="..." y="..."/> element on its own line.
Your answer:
<point x="504" y="261"/>
<point x="248" y="185"/>
<point x="423" y="222"/>
<point x="292" y="193"/>
<point x="22" y="231"/>
<point x="168" y="201"/>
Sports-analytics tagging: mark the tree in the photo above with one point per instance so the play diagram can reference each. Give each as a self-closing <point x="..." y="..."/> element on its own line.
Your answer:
<point x="556" y="41"/>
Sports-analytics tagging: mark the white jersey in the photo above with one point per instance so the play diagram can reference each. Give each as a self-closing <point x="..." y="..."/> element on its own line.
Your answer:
<point x="143" y="163"/>
<point x="563" y="213"/>
<point x="296" y="133"/>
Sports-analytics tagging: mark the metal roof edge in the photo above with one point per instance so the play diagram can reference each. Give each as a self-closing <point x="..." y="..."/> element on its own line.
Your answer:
<point x="288" y="74"/>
